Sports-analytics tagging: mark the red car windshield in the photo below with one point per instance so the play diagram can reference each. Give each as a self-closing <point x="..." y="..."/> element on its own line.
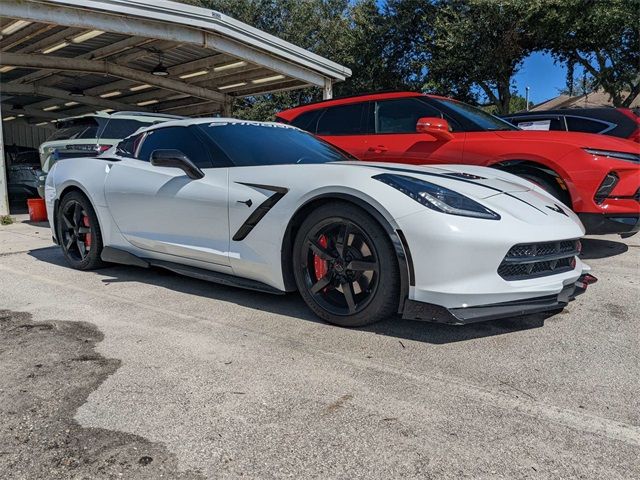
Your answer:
<point x="484" y="120"/>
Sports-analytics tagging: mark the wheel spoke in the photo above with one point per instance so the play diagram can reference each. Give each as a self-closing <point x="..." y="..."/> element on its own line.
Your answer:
<point x="77" y="215"/>
<point x="67" y="222"/>
<point x="81" y="248"/>
<point x="320" y="251"/>
<point x="69" y="242"/>
<point x="84" y="230"/>
<point x="362" y="266"/>
<point x="320" y="284"/>
<point x="347" y="290"/>
<point x="343" y="238"/>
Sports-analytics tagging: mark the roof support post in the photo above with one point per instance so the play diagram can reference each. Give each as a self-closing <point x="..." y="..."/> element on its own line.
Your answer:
<point x="327" y="90"/>
<point x="227" y="107"/>
<point x="4" y="188"/>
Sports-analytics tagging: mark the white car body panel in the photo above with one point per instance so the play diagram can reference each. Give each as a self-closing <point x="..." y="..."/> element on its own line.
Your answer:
<point x="160" y="213"/>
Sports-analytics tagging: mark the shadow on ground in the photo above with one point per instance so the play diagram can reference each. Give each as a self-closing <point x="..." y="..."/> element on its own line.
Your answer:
<point x="292" y="304"/>
<point x="593" y="248"/>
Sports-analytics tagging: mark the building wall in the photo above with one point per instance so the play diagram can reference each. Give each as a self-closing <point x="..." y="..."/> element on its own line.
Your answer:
<point x="23" y="135"/>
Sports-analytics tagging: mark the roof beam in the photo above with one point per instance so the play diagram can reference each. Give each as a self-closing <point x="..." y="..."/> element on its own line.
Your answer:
<point x="223" y="78"/>
<point x="176" y="70"/>
<point x="155" y="47"/>
<point x="180" y="33"/>
<point x="49" y="40"/>
<point x="107" y="68"/>
<point x="23" y="35"/>
<point x="97" y="54"/>
<point x="283" y="86"/>
<point x="205" y="108"/>
<point x="31" y="112"/>
<point x="38" y="91"/>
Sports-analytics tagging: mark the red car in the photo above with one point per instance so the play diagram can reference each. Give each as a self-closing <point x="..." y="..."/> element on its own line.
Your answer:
<point x="599" y="176"/>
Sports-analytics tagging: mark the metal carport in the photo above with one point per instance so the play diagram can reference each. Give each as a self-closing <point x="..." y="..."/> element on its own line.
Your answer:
<point x="60" y="58"/>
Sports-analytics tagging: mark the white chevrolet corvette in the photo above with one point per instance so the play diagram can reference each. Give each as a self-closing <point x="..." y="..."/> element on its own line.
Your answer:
<point x="269" y="207"/>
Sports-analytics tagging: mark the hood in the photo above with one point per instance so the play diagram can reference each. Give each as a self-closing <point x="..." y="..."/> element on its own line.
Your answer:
<point x="475" y="182"/>
<point x="577" y="139"/>
<point x="500" y="191"/>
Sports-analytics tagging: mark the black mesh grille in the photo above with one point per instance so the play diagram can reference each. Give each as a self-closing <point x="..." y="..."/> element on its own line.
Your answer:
<point x="539" y="259"/>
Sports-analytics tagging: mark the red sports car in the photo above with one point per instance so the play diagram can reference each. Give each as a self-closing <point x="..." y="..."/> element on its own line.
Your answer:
<point x="597" y="175"/>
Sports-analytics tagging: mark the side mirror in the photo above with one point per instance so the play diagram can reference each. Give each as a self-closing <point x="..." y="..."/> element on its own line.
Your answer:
<point x="176" y="159"/>
<point x="438" y="127"/>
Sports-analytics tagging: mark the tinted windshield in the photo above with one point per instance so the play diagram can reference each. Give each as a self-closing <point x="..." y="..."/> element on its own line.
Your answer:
<point x="248" y="144"/>
<point x="77" y="128"/>
<point x="482" y="119"/>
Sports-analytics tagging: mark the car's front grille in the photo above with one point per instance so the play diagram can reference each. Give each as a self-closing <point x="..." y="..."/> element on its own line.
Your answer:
<point x="533" y="260"/>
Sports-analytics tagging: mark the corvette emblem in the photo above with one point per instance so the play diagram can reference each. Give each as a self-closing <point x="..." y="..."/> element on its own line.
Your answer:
<point x="557" y="208"/>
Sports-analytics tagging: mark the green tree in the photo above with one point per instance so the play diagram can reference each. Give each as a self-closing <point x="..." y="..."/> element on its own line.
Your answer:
<point x="351" y="33"/>
<point x="603" y="37"/>
<point x="480" y="44"/>
<point x="518" y="103"/>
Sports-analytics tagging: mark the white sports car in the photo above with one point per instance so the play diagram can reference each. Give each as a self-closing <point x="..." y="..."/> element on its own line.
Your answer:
<point x="269" y="207"/>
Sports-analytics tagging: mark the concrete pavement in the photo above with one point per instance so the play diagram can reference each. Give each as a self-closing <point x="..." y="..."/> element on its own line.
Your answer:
<point x="241" y="384"/>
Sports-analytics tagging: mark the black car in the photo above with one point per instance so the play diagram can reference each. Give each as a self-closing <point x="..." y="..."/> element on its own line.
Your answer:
<point x="618" y="122"/>
<point x="23" y="170"/>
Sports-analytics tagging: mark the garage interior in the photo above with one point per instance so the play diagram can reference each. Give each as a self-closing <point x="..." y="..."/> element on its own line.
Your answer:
<point x="63" y="58"/>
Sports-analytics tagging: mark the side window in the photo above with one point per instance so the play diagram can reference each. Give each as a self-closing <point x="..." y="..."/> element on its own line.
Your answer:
<point x="128" y="146"/>
<point x="342" y="120"/>
<point x="307" y="120"/>
<point x="401" y="116"/>
<point x="175" y="138"/>
<point x="539" y="123"/>
<point x="121" y="128"/>
<point x="578" y="124"/>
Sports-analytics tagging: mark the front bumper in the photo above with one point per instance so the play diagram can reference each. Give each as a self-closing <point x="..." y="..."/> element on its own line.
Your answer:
<point x="414" y="310"/>
<point x="601" y="223"/>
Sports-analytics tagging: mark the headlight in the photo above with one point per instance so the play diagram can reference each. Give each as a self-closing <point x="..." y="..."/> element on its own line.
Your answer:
<point x="437" y="198"/>
<point x="629" y="157"/>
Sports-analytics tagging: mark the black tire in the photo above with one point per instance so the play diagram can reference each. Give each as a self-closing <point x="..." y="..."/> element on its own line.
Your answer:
<point x="547" y="183"/>
<point x="81" y="244"/>
<point x="360" y="281"/>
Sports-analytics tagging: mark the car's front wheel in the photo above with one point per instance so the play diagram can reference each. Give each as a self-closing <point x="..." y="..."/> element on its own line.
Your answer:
<point x="345" y="266"/>
<point x="79" y="232"/>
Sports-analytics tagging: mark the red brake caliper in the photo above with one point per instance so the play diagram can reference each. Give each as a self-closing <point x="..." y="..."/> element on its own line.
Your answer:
<point x="87" y="236"/>
<point x="320" y="266"/>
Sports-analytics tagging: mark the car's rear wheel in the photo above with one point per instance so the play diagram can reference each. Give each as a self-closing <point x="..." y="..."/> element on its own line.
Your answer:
<point x="345" y="267"/>
<point x="79" y="232"/>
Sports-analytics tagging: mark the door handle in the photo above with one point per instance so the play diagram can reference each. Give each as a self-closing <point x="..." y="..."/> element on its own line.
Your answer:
<point x="378" y="149"/>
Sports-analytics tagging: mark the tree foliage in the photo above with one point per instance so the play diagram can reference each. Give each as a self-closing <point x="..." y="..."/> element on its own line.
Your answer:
<point x="480" y="44"/>
<point x="603" y="37"/>
<point x="468" y="49"/>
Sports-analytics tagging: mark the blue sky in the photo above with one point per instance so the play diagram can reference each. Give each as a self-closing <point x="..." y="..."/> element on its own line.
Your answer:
<point x="542" y="76"/>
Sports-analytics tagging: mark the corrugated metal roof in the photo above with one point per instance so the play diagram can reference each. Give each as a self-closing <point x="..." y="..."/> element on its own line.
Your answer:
<point x="161" y="31"/>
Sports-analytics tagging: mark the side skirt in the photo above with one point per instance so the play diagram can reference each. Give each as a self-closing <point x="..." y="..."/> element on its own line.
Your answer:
<point x="115" y="255"/>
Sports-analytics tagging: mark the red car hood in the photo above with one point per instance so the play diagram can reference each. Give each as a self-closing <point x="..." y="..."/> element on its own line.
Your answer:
<point x="602" y="142"/>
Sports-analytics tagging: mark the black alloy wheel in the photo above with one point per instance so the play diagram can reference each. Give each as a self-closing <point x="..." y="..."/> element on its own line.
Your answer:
<point x="78" y="232"/>
<point x="345" y="266"/>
